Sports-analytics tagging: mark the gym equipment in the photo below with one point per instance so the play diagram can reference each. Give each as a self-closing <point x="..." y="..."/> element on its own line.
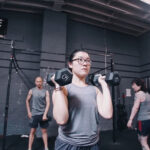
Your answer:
<point x="121" y="113"/>
<point x="62" y="77"/>
<point x="111" y="78"/>
<point x="49" y="118"/>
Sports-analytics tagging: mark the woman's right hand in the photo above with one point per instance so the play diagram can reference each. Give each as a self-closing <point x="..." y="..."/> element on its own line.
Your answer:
<point x="129" y="124"/>
<point x="55" y="83"/>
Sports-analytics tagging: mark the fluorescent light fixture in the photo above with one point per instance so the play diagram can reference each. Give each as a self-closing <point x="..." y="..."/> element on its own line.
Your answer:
<point x="146" y="1"/>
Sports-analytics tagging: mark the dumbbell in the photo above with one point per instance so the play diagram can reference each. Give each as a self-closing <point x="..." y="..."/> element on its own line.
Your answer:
<point x="111" y="78"/>
<point x="49" y="118"/>
<point x="62" y="77"/>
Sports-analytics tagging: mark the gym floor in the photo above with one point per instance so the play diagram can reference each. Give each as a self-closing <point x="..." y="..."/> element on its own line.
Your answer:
<point x="125" y="140"/>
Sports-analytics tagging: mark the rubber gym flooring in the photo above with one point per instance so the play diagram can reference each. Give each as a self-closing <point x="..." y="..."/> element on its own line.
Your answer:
<point x="125" y="140"/>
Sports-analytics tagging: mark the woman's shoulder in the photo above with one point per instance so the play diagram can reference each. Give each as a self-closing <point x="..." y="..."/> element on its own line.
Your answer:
<point x="140" y="93"/>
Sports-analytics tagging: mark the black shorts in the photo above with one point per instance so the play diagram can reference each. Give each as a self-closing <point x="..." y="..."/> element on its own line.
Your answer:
<point x="35" y="120"/>
<point x="143" y="127"/>
<point x="61" y="145"/>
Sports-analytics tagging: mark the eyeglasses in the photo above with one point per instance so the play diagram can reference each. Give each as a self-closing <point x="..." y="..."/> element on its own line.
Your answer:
<point x="81" y="61"/>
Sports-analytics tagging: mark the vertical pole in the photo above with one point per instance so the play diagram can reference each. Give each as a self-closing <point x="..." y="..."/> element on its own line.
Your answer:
<point x="113" y="102"/>
<point x="7" y="98"/>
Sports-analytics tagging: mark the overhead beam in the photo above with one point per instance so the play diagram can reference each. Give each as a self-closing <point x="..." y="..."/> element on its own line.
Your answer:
<point x="113" y="16"/>
<point x="22" y="10"/>
<point x="28" y="4"/>
<point x="119" y="10"/>
<point x="105" y="26"/>
<point x="131" y="5"/>
<point x="98" y="18"/>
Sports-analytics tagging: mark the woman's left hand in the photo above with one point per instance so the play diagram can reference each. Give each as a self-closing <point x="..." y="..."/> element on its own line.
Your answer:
<point x="101" y="79"/>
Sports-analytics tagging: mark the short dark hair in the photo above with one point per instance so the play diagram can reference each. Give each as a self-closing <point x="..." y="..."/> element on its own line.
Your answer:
<point x="140" y="82"/>
<point x="74" y="53"/>
<point x="38" y="77"/>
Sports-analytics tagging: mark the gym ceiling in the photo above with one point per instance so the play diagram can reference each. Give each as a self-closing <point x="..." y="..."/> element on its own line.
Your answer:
<point x="125" y="16"/>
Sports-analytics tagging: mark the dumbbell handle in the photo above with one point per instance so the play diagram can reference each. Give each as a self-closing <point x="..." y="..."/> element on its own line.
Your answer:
<point x="111" y="77"/>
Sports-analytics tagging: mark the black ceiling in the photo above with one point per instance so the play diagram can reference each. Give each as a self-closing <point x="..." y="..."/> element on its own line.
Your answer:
<point x="126" y="16"/>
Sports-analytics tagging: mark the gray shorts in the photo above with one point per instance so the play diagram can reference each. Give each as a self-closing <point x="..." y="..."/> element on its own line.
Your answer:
<point x="61" y="145"/>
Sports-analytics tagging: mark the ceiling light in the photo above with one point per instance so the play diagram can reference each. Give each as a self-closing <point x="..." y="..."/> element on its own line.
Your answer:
<point x="146" y="1"/>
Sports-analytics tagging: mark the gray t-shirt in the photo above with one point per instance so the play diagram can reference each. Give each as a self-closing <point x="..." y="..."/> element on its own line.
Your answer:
<point x="144" y="111"/>
<point x="82" y="128"/>
<point x="38" y="101"/>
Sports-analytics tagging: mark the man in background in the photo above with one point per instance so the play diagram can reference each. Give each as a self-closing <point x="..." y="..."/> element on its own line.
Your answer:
<point x="38" y="112"/>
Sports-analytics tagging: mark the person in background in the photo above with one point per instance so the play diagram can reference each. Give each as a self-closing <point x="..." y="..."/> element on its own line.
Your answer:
<point x="142" y="107"/>
<point x="38" y="112"/>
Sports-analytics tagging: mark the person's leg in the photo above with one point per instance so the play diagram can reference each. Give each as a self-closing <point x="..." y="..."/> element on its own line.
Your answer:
<point x="33" y="122"/>
<point x="45" y="138"/>
<point x="144" y="142"/>
<point x="31" y="138"/>
<point x="44" y="125"/>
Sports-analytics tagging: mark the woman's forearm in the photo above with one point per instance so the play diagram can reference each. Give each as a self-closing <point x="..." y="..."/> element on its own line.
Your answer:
<point x="133" y="113"/>
<point x="105" y="102"/>
<point x="60" y="107"/>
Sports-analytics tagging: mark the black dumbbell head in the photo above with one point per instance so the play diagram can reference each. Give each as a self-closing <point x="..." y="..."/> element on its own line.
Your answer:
<point x="116" y="79"/>
<point x="63" y="76"/>
<point x="113" y="78"/>
<point x="93" y="78"/>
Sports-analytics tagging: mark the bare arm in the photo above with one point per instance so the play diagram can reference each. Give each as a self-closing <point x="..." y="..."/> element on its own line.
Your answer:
<point x="28" y="103"/>
<point x="139" y="97"/>
<point x="60" y="106"/>
<point x="47" y="106"/>
<point x="135" y="109"/>
<point x="104" y="101"/>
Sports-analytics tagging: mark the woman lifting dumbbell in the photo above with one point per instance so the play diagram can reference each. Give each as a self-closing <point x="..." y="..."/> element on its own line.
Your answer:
<point x="77" y="106"/>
